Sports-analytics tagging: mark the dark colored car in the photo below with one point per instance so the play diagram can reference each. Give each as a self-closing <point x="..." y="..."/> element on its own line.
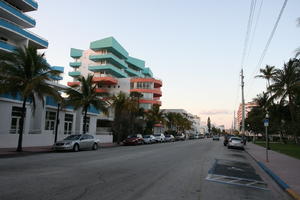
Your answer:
<point x="134" y="140"/>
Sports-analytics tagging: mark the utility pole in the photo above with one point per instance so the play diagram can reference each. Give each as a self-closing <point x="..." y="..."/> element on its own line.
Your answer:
<point x="243" y="104"/>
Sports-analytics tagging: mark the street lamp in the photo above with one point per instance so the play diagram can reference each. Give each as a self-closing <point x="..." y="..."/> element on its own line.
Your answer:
<point x="266" y="124"/>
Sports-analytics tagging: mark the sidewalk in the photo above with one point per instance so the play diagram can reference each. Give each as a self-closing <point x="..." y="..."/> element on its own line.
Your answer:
<point x="11" y="152"/>
<point x="285" y="167"/>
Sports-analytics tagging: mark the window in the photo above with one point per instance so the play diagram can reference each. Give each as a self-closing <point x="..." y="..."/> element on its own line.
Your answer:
<point x="50" y="120"/>
<point x="16" y="114"/>
<point x="131" y="85"/>
<point x="68" y="124"/>
<point x="87" y="124"/>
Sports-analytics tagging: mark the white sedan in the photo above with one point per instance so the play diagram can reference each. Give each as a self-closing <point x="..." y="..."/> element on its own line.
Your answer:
<point x="235" y="142"/>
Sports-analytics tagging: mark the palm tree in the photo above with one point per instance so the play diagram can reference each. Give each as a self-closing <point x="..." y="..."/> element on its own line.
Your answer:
<point x="286" y="85"/>
<point x="153" y="116"/>
<point x="83" y="96"/>
<point x="25" y="72"/>
<point x="267" y="73"/>
<point x="120" y="105"/>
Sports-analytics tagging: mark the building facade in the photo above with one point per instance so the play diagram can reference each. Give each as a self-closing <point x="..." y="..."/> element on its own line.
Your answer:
<point x="114" y="71"/>
<point x="248" y="108"/>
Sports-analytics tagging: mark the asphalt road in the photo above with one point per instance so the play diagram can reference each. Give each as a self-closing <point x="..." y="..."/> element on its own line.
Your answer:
<point x="153" y="172"/>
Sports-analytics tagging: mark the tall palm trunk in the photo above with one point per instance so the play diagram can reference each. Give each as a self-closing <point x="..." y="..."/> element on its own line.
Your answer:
<point x="84" y="120"/>
<point x="20" y="140"/>
<point x="291" y="108"/>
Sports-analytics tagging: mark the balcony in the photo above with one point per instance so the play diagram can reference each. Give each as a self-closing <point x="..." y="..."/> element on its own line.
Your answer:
<point x="75" y="64"/>
<point x="73" y="83"/>
<point x="133" y="73"/>
<point x="137" y="63"/>
<point x="111" y="44"/>
<point x="14" y="15"/>
<point x="111" y="58"/>
<point x="24" y="5"/>
<point x="6" y="47"/>
<point x="155" y="92"/>
<point x="101" y="90"/>
<point x="150" y="101"/>
<point x="109" y="69"/>
<point x="105" y="80"/>
<point x="17" y="33"/>
<point x="157" y="83"/>
<point x="74" y="74"/>
<point x="76" y="53"/>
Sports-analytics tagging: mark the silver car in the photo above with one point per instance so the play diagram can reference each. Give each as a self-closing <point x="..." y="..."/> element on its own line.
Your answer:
<point x="235" y="142"/>
<point x="77" y="143"/>
<point x="149" y="139"/>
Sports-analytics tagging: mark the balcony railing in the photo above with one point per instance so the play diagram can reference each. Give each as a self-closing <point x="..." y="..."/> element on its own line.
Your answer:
<point x="15" y="29"/>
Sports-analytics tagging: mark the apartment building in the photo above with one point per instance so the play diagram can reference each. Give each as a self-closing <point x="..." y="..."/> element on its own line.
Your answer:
<point x="114" y="71"/>
<point x="248" y="108"/>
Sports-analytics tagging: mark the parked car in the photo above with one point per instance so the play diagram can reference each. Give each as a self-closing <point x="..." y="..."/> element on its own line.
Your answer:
<point x="159" y="137"/>
<point x="235" y="142"/>
<point x="226" y="139"/>
<point x="169" y="138"/>
<point x="197" y="136"/>
<point x="134" y="140"/>
<point x="149" y="139"/>
<point x="77" y="143"/>
<point x="215" y="137"/>
<point x="180" y="136"/>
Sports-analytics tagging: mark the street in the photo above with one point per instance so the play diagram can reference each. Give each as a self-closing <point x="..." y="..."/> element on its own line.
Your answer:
<point x="172" y="171"/>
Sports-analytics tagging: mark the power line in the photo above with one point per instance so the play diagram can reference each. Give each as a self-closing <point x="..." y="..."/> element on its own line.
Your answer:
<point x="255" y="27"/>
<point x="271" y="36"/>
<point x="268" y="42"/>
<point x="248" y="32"/>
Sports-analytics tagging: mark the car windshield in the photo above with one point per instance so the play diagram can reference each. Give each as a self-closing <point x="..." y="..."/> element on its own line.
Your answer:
<point x="146" y="136"/>
<point x="236" y="139"/>
<point x="72" y="137"/>
<point x="167" y="135"/>
<point x="157" y="135"/>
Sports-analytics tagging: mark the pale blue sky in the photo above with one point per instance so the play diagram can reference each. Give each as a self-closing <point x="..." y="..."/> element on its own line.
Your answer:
<point x="194" y="46"/>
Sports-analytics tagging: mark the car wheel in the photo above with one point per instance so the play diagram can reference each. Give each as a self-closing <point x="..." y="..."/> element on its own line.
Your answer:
<point x="76" y="147"/>
<point x="95" y="146"/>
<point x="228" y="147"/>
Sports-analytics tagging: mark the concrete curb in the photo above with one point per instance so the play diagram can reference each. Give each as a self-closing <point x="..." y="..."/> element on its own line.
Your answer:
<point x="277" y="179"/>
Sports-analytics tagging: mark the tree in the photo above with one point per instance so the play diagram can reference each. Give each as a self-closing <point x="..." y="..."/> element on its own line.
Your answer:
<point x="153" y="116"/>
<point x="208" y="124"/>
<point x="25" y="72"/>
<point x="84" y="96"/>
<point x="267" y="74"/>
<point x="286" y="83"/>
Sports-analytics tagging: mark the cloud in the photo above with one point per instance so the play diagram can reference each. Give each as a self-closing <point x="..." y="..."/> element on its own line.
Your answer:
<point x="216" y="112"/>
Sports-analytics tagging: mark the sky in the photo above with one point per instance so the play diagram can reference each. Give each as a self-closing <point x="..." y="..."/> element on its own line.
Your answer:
<point x="194" y="46"/>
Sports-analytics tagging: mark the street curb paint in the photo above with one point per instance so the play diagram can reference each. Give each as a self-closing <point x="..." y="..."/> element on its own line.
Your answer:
<point x="278" y="180"/>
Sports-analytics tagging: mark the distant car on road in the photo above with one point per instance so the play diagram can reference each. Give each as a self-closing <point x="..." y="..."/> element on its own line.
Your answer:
<point x="77" y="142"/>
<point x="134" y="140"/>
<point x="215" y="137"/>
<point x="169" y="138"/>
<point x="235" y="142"/>
<point x="180" y="136"/>
<point x="149" y="139"/>
<point x="159" y="137"/>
